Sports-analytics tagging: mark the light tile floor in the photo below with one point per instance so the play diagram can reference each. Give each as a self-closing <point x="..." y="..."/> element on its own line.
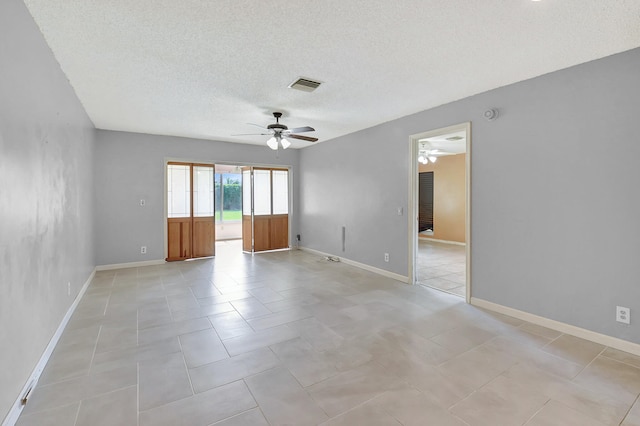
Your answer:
<point x="441" y="266"/>
<point x="290" y="339"/>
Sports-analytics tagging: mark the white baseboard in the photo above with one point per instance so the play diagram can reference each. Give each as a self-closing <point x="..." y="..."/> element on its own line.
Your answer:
<point x="130" y="265"/>
<point x="16" y="409"/>
<point x="603" y="339"/>
<point x="457" y="243"/>
<point x="364" y="266"/>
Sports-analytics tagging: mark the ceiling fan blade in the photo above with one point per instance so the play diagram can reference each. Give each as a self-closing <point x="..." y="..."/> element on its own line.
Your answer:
<point x="302" y="129"/>
<point x="304" y="138"/>
<point x="253" y="134"/>
<point x="257" y="125"/>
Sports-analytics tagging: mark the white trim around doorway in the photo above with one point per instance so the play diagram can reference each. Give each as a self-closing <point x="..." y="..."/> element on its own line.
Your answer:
<point x="413" y="199"/>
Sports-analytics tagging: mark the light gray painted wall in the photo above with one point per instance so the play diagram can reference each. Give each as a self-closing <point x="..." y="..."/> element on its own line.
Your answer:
<point x="46" y="229"/>
<point x="554" y="193"/>
<point x="130" y="167"/>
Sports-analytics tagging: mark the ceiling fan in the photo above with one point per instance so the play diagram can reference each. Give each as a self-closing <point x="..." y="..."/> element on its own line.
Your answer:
<point x="427" y="154"/>
<point x="280" y="134"/>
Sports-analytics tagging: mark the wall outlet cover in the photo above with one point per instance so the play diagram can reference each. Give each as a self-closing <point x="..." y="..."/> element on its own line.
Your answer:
<point x="623" y="315"/>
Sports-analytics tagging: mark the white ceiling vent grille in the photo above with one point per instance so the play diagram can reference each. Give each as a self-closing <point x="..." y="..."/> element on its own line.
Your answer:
<point x="305" y="84"/>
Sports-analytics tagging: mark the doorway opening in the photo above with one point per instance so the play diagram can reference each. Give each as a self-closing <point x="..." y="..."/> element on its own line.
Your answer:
<point x="228" y="202"/>
<point x="439" y="228"/>
<point x="234" y="208"/>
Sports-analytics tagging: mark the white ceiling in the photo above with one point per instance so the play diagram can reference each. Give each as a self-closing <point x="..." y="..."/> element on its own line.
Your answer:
<point x="205" y="68"/>
<point x="450" y="143"/>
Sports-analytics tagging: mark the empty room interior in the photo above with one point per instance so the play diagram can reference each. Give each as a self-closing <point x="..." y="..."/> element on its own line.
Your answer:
<point x="212" y="213"/>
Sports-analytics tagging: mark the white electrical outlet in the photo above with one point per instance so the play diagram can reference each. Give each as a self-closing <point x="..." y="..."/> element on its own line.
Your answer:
<point x="623" y="315"/>
<point x="142" y="202"/>
<point x="69" y="288"/>
<point x="143" y="250"/>
<point x="386" y="257"/>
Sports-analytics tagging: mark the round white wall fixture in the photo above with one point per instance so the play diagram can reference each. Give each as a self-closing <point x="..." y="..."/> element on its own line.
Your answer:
<point x="491" y="114"/>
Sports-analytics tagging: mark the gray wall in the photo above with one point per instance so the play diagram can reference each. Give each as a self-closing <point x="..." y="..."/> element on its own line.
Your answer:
<point x="46" y="229"/>
<point x="130" y="167"/>
<point x="554" y="193"/>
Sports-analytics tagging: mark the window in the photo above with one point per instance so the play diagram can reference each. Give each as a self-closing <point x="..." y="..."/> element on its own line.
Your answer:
<point x="202" y="191"/>
<point x="179" y="190"/>
<point x="280" y="191"/>
<point x="261" y="192"/>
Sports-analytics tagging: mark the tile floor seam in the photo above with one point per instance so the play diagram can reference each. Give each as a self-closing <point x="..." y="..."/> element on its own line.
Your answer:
<point x="553" y="340"/>
<point x="617" y="360"/>
<point x="630" y="408"/>
<point x="232" y="416"/>
<point x="458" y="418"/>
<point x="536" y="413"/>
<point x="589" y="364"/>
<point x="217" y="334"/>
<point x="75" y="421"/>
<point x="244" y="380"/>
<point x="186" y="367"/>
<point x="361" y="404"/>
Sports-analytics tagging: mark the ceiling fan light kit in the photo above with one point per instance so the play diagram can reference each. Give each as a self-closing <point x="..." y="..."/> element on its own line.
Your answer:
<point x="426" y="158"/>
<point x="280" y="134"/>
<point x="273" y="143"/>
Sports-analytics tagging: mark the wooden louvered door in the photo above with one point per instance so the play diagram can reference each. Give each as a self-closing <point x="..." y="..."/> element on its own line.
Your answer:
<point x="425" y="202"/>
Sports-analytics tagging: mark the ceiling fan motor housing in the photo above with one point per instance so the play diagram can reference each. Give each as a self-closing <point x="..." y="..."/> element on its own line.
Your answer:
<point x="277" y="126"/>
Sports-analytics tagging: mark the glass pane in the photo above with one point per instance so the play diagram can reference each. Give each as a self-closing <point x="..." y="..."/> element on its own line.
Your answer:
<point x="231" y="197"/>
<point x="246" y="193"/>
<point x="203" y="191"/>
<point x="178" y="191"/>
<point x="280" y="192"/>
<point x="261" y="192"/>
<point x="218" y="193"/>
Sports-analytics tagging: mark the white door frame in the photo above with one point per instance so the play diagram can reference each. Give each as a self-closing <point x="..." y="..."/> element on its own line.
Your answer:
<point x="414" y="197"/>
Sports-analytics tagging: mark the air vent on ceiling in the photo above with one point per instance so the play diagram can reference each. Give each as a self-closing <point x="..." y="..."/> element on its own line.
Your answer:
<point x="305" y="85"/>
<point x="455" y="138"/>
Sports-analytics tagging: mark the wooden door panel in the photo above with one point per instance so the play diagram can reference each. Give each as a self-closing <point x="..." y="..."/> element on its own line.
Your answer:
<point x="179" y="244"/>
<point x="246" y="233"/>
<point x="261" y="233"/>
<point x="203" y="236"/>
<point x="279" y="232"/>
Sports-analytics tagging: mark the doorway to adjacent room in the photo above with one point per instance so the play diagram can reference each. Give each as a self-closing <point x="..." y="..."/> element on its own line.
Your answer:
<point x="440" y="224"/>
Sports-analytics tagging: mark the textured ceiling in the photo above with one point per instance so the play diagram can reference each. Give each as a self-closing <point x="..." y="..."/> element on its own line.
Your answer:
<point x="205" y="68"/>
